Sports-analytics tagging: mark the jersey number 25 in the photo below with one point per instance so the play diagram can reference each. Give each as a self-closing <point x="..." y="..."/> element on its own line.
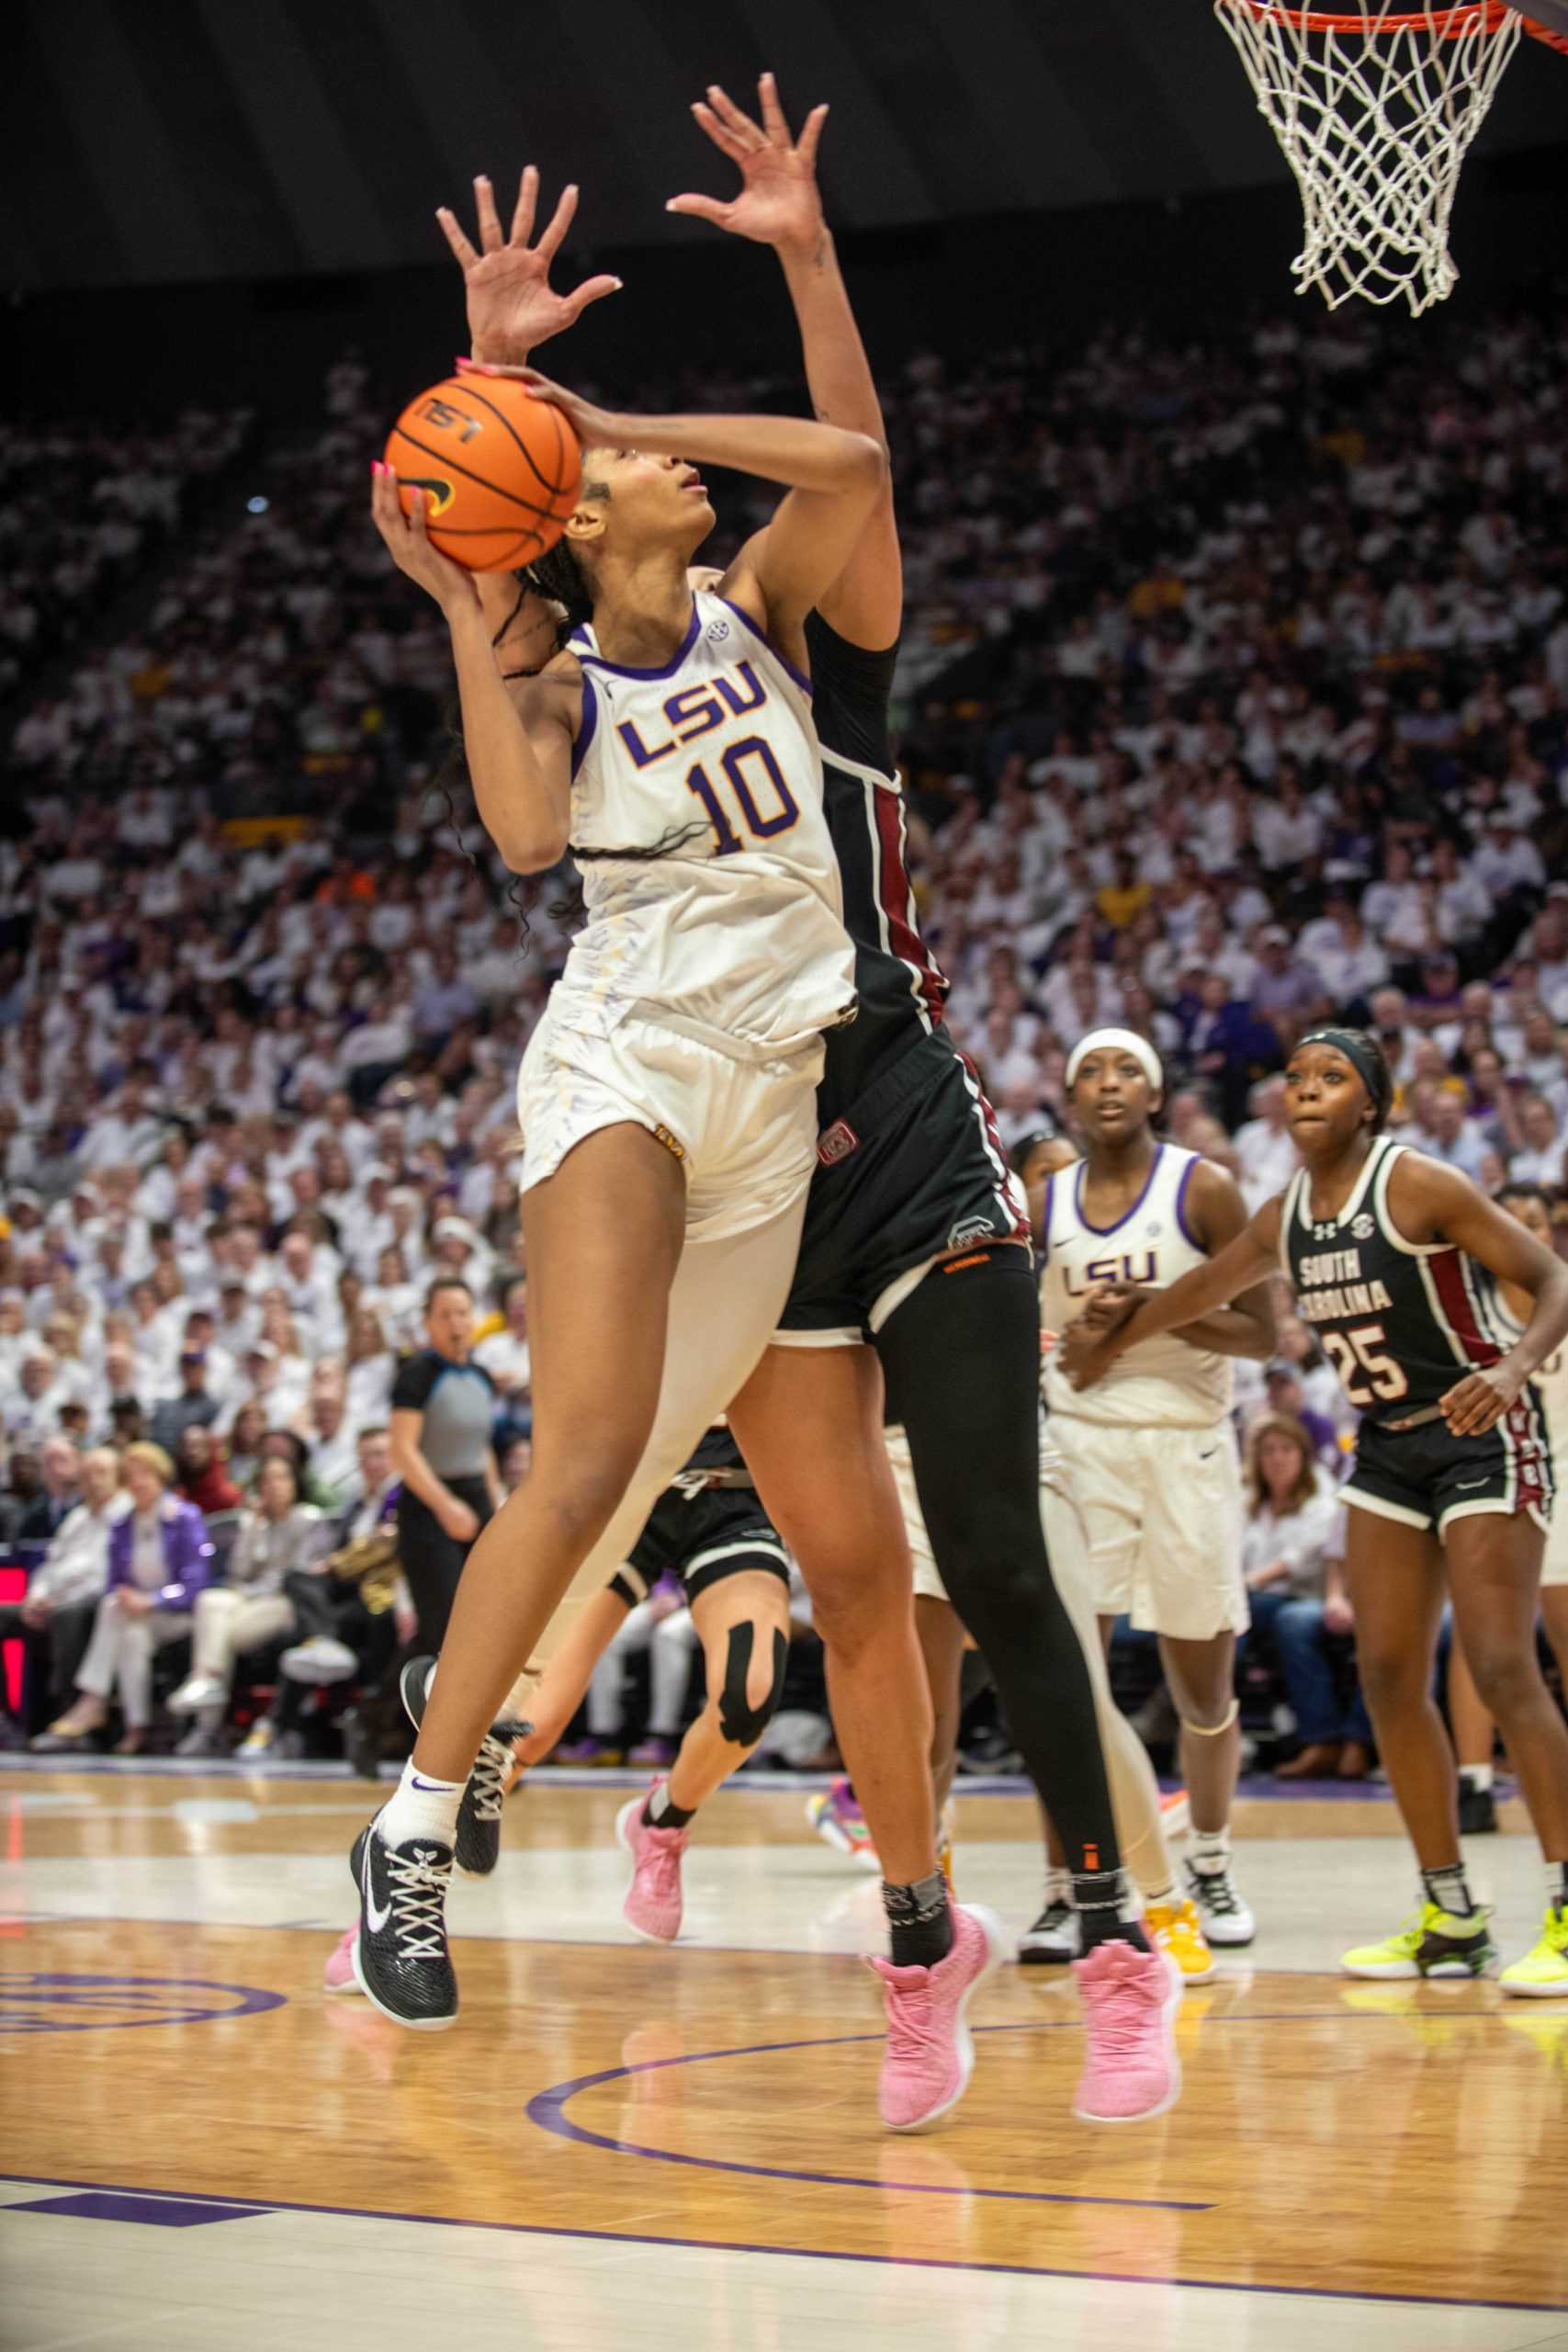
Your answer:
<point x="1353" y="1353"/>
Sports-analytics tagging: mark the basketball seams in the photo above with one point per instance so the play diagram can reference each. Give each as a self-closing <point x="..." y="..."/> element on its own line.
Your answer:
<point x="554" y="488"/>
<point x="444" y="457"/>
<point x="410" y="451"/>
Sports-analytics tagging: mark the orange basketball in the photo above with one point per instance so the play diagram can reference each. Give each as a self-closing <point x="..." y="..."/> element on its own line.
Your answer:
<point x="502" y="469"/>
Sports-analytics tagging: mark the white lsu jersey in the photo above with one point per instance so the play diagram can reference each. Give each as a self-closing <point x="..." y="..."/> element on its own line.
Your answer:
<point x="1163" y="1384"/>
<point x="735" y="928"/>
<point x="1550" y="1382"/>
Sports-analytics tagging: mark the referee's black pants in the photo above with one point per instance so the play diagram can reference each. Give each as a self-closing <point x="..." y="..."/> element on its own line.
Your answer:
<point x="432" y="1561"/>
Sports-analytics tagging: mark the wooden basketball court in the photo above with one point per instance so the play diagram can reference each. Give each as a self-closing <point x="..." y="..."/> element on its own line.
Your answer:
<point x="660" y="2147"/>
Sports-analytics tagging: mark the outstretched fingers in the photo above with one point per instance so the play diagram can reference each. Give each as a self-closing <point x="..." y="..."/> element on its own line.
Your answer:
<point x="526" y="205"/>
<point x="723" y="139"/>
<point x="463" y="253"/>
<point x="806" y="146"/>
<point x="549" y="245"/>
<point x="735" y="120"/>
<point x="490" y="237"/>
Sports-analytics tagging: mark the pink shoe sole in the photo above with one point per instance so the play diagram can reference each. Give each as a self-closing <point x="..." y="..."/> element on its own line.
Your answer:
<point x="964" y="2041"/>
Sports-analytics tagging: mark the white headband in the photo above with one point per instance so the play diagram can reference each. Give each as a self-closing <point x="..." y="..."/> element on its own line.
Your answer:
<point x="1122" y="1041"/>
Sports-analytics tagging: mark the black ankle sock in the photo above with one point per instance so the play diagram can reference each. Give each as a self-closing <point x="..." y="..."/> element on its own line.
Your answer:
<point x="1097" y="1899"/>
<point x="1450" y="1890"/>
<point x="660" y="1814"/>
<point x="919" y="1923"/>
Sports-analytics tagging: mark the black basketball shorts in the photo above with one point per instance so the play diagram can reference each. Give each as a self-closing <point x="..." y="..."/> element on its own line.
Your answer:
<point x="914" y="1172"/>
<point x="703" y="1537"/>
<point x="1426" y="1476"/>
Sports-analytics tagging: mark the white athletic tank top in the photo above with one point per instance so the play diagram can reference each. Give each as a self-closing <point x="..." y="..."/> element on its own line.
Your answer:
<point x="1163" y="1383"/>
<point x="1550" y="1382"/>
<point x="735" y="930"/>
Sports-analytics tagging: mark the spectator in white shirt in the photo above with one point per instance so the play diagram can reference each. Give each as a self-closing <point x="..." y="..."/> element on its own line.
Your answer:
<point x="504" y="1355"/>
<point x="54" y="1618"/>
<point x="1448" y="1135"/>
<point x="1539" y="1158"/>
<point x="1264" y="1147"/>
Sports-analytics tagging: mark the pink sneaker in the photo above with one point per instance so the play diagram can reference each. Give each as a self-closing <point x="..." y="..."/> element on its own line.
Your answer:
<point x="652" y="1908"/>
<point x="338" y="1975"/>
<point x="1130" y="1999"/>
<point x="931" y="2053"/>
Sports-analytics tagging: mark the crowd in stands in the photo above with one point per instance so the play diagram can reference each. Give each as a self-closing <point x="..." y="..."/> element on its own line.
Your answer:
<point x="1233" y="694"/>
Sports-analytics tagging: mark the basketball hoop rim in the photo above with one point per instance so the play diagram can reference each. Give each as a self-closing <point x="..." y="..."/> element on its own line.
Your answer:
<point x="1457" y="21"/>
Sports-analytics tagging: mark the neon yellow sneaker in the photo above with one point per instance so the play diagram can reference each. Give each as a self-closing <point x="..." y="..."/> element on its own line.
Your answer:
<point x="1432" y="1942"/>
<point x="1178" y="1932"/>
<point x="1542" y="1974"/>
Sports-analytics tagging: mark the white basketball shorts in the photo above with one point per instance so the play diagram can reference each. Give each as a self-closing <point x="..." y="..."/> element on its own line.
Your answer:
<point x="745" y="1130"/>
<point x="1163" y="1511"/>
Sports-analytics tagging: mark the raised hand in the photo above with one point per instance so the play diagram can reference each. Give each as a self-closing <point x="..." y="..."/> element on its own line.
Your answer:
<point x="595" y="427"/>
<point x="512" y="306"/>
<point x="408" y="538"/>
<point x="778" y="204"/>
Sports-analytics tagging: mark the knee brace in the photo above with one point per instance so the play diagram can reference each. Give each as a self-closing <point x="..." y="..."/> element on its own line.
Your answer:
<point x="1212" y="1731"/>
<point x="737" y="1718"/>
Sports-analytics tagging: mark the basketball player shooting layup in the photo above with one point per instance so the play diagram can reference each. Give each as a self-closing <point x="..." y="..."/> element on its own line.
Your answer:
<point x="909" y="1254"/>
<point x="1383" y="1248"/>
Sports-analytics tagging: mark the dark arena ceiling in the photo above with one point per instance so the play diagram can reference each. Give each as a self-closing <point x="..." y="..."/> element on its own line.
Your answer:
<point x="156" y="141"/>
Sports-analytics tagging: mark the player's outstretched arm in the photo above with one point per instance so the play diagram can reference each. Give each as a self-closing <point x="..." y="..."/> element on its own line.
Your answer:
<point x="779" y="204"/>
<point x="512" y="306"/>
<point x="1431" y="1203"/>
<point x="517" y="740"/>
<point x="1090" y="1347"/>
<point x="1217" y="1215"/>
<point x="833" y="477"/>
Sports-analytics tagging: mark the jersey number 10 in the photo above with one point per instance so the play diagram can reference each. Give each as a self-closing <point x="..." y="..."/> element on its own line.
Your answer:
<point x="754" y="753"/>
<point x="1353" y="1353"/>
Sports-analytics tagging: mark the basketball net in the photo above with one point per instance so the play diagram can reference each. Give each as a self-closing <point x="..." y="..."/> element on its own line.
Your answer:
<point x="1375" y="111"/>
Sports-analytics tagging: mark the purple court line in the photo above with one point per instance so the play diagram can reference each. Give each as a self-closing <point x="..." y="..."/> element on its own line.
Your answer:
<point x="547" y="2109"/>
<point x="40" y="1986"/>
<point x="261" y="2206"/>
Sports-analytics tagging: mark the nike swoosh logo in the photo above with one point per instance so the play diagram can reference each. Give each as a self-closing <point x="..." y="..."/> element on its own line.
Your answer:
<point x="1210" y="1455"/>
<point x="374" y="1919"/>
<point x="435" y="1787"/>
<point x="1467" y="1485"/>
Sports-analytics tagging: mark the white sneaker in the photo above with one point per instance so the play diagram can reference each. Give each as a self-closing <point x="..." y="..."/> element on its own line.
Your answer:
<point x="197" y="1691"/>
<point x="320" y="1659"/>
<point x="200" y="1740"/>
<point x="1054" y="1939"/>
<point x="1227" y="1921"/>
<point x="259" y="1739"/>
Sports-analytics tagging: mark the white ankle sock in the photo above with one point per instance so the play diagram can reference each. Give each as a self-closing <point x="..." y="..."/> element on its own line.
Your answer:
<point x="1211" y="1850"/>
<point x="1478" y="1775"/>
<point x="420" y="1807"/>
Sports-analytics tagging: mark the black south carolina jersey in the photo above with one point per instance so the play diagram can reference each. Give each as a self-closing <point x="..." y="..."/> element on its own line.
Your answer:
<point x="900" y="988"/>
<point x="1399" y="1320"/>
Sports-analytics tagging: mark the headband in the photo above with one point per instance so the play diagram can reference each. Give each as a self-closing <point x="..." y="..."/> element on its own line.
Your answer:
<point x="1124" y="1041"/>
<point x="1355" y="1050"/>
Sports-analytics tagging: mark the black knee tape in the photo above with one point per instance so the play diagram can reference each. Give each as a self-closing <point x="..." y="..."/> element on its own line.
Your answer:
<point x="737" y="1718"/>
